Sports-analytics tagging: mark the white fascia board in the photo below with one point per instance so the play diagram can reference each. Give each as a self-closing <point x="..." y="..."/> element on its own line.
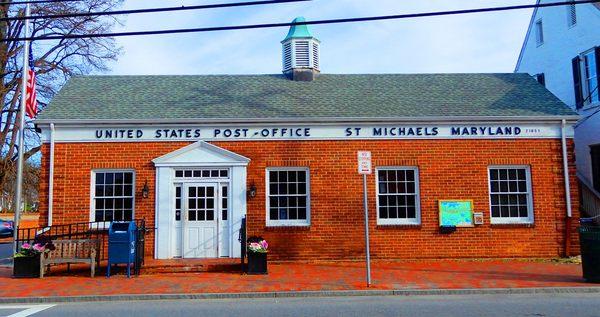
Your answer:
<point x="316" y="121"/>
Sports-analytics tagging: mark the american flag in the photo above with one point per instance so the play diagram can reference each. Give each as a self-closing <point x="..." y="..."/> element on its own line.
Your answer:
<point x="31" y="106"/>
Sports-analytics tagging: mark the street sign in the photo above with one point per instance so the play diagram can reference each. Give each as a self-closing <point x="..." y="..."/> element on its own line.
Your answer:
<point x="364" y="163"/>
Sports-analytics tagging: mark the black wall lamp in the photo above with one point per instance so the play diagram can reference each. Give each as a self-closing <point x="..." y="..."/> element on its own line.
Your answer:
<point x="145" y="190"/>
<point x="252" y="191"/>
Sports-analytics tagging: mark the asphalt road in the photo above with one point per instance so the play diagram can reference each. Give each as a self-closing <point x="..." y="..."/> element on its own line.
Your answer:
<point x="5" y="253"/>
<point x="580" y="305"/>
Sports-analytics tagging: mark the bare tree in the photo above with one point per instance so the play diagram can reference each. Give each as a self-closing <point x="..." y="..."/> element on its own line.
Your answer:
<point x="55" y="62"/>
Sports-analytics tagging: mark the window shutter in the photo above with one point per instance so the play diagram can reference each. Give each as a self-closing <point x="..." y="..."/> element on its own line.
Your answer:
<point x="577" y="82"/>
<point x="598" y="69"/>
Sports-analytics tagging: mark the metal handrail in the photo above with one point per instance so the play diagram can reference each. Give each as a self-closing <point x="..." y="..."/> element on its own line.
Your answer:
<point x="590" y="199"/>
<point x="96" y="230"/>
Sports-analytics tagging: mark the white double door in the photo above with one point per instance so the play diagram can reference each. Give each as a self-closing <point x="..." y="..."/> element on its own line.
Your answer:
<point x="204" y="220"/>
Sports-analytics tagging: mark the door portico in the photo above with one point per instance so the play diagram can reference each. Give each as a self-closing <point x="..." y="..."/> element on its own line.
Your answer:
<point x="200" y="202"/>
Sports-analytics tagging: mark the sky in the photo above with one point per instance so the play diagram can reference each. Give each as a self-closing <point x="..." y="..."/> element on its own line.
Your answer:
<point x="487" y="42"/>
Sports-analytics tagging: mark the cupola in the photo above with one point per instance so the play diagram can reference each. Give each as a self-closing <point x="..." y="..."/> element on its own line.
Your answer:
<point x="300" y="52"/>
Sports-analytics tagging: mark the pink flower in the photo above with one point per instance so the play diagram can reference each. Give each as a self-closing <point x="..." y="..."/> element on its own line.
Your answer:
<point x="264" y="244"/>
<point x="38" y="247"/>
<point x="26" y="246"/>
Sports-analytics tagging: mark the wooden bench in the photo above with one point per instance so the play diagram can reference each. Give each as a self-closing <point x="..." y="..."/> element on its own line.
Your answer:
<point x="71" y="251"/>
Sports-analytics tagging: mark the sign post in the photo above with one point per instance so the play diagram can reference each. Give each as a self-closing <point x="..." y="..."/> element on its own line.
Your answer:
<point x="364" y="168"/>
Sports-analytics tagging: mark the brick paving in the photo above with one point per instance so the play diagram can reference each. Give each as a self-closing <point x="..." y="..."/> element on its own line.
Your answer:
<point x="417" y="275"/>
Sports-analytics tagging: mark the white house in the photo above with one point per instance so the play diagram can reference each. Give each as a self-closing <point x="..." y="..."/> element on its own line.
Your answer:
<point x="562" y="50"/>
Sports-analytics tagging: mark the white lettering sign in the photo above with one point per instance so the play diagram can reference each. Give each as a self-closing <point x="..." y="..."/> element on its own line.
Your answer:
<point x="301" y="132"/>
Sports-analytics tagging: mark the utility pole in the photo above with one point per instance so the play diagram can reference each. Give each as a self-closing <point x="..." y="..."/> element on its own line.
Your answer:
<point x="19" y="185"/>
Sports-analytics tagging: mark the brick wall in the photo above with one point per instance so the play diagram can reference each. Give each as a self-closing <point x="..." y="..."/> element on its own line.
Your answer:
<point x="449" y="169"/>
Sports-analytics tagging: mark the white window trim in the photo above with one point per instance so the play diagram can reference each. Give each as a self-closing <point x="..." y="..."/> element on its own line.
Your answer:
<point x="512" y="220"/>
<point x="398" y="221"/>
<point x="287" y="223"/>
<point x="93" y="192"/>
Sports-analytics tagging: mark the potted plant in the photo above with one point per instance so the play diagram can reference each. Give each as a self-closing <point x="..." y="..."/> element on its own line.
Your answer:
<point x="27" y="260"/>
<point x="257" y="255"/>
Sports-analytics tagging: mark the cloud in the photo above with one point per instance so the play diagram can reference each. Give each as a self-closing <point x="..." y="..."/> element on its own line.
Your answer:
<point x="487" y="42"/>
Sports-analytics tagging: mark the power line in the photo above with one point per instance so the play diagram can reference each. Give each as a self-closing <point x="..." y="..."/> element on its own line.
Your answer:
<point x="289" y="24"/>
<point x="37" y="1"/>
<point x="150" y="10"/>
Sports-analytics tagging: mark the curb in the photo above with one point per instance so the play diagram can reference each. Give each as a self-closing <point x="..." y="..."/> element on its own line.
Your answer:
<point x="300" y="294"/>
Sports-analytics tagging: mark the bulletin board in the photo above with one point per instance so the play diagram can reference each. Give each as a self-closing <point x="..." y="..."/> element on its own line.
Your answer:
<point x="457" y="213"/>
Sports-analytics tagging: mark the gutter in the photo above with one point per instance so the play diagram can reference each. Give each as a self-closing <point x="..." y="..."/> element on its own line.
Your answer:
<point x="569" y="217"/>
<point x="51" y="176"/>
<point x="321" y="120"/>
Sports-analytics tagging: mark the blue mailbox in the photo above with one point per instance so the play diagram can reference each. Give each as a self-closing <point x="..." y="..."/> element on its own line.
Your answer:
<point x="121" y="245"/>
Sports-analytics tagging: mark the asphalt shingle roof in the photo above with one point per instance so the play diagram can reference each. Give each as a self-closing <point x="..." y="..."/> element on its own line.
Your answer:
<point x="276" y="97"/>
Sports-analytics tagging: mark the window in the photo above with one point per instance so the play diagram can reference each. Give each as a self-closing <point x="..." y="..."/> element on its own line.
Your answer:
<point x="202" y="173"/>
<point x="595" y="153"/>
<point x="224" y="203"/>
<point x="541" y="78"/>
<point x="113" y="195"/>
<point x="178" y="201"/>
<point x="398" y="195"/>
<point x="288" y="197"/>
<point x="539" y="33"/>
<point x="510" y="194"/>
<point x="590" y="73"/>
<point x="571" y="15"/>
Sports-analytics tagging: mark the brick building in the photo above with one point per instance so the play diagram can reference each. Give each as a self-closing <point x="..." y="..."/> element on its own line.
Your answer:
<point x="193" y="155"/>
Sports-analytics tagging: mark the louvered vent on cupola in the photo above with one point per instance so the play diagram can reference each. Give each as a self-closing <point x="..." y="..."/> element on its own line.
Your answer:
<point x="300" y="52"/>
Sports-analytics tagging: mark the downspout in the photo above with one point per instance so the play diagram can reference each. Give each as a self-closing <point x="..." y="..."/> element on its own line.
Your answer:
<point x="51" y="176"/>
<point x="565" y="158"/>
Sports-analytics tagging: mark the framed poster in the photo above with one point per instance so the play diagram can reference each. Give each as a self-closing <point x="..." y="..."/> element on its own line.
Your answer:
<point x="457" y="213"/>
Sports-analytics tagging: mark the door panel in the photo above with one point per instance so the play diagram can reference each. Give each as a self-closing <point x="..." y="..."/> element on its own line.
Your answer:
<point x="200" y="221"/>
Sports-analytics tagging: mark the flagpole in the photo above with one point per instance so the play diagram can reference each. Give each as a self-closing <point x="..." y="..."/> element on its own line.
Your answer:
<point x="19" y="185"/>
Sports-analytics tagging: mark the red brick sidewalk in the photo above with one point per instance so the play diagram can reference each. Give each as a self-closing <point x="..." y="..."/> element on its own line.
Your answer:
<point x="310" y="277"/>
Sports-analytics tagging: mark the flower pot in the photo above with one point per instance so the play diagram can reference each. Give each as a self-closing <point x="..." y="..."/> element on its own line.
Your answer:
<point x="27" y="266"/>
<point x="257" y="263"/>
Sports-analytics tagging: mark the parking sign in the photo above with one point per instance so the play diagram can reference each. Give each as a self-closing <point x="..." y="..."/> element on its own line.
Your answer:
<point x="364" y="163"/>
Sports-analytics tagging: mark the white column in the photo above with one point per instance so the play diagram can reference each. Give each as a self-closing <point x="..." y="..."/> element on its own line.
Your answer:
<point x="164" y="217"/>
<point x="238" y="196"/>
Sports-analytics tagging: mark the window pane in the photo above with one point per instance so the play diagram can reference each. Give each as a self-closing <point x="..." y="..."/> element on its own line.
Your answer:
<point x="383" y="213"/>
<point x="109" y="190"/>
<point x="109" y="178"/>
<point x="119" y="178"/>
<point x="302" y="213"/>
<point x="99" y="190"/>
<point x="179" y="173"/>
<point x="99" y="178"/>
<point x="302" y="176"/>
<point x="273" y="215"/>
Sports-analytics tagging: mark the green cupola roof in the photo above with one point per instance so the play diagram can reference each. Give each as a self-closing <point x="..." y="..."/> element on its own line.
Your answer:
<point x="299" y="31"/>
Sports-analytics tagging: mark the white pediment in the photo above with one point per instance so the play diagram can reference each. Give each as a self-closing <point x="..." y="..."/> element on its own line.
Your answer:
<point x="201" y="154"/>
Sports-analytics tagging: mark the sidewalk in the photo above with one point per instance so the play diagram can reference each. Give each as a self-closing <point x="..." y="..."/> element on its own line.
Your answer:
<point x="417" y="275"/>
